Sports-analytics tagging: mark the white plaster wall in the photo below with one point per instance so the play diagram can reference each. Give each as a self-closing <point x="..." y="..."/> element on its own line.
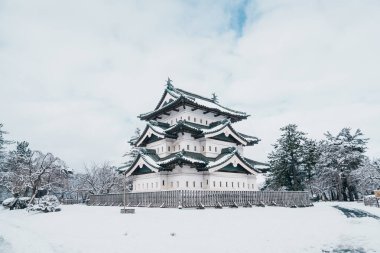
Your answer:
<point x="187" y="178"/>
<point x="232" y="182"/>
<point x="187" y="114"/>
<point x="188" y="143"/>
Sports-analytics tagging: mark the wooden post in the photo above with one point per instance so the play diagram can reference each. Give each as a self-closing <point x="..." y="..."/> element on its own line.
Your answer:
<point x="125" y="210"/>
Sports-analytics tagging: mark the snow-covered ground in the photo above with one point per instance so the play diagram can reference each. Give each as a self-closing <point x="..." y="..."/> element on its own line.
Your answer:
<point x="87" y="229"/>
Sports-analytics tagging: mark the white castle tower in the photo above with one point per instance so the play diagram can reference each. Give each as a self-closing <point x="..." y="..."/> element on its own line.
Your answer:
<point x="189" y="143"/>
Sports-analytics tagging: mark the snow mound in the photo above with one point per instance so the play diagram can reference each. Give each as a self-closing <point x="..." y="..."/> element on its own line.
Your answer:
<point x="48" y="203"/>
<point x="16" y="203"/>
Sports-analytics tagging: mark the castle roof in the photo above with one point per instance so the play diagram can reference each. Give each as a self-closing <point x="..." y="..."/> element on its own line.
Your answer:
<point x="179" y="97"/>
<point x="228" y="156"/>
<point x="219" y="129"/>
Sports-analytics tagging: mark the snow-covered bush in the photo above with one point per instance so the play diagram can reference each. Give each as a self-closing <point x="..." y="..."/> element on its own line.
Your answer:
<point x="48" y="203"/>
<point x="16" y="203"/>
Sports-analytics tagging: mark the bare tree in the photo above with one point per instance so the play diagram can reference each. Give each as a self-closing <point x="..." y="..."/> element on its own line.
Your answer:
<point x="102" y="179"/>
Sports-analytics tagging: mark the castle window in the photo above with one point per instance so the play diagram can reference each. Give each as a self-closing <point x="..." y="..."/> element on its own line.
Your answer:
<point x="203" y="148"/>
<point x="207" y="182"/>
<point x="147" y="185"/>
<point x="201" y="185"/>
<point x="226" y="184"/>
<point x="163" y="182"/>
<point x="252" y="186"/>
<point x="181" y="117"/>
<point x="162" y="149"/>
<point x="195" y="148"/>
<point x="187" y="183"/>
<point x="168" y="148"/>
<point x="201" y="121"/>
<point x="220" y="183"/>
<point x="188" y="118"/>
<point x="188" y="147"/>
<point x="243" y="185"/>
<point x="238" y="185"/>
<point x="193" y="183"/>
<point x="232" y="184"/>
<point x="195" y="119"/>
<point x="206" y="122"/>
<point x="177" y="184"/>
<point x="179" y="147"/>
<point x="209" y="148"/>
<point x="216" y="149"/>
<point x="213" y="182"/>
<point x="151" y="185"/>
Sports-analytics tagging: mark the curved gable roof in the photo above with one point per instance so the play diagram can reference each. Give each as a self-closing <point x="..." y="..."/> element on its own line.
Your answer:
<point x="228" y="156"/>
<point x="224" y="127"/>
<point x="182" y="97"/>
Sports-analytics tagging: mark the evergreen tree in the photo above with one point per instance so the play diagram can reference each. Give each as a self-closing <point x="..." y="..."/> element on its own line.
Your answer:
<point x="3" y="143"/>
<point x="17" y="164"/>
<point x="287" y="161"/>
<point x="133" y="151"/>
<point x="21" y="156"/>
<point x="311" y="156"/>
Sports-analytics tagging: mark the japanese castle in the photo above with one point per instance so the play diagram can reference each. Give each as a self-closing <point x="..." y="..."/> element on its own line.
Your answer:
<point x="189" y="143"/>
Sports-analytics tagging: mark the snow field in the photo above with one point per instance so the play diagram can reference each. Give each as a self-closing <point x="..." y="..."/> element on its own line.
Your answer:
<point x="80" y="229"/>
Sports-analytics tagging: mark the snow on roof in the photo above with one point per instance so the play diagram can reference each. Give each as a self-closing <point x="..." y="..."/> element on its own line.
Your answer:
<point x="218" y="126"/>
<point x="193" y="126"/>
<point x="211" y="104"/>
<point x="179" y="94"/>
<point x="150" y="160"/>
<point x="249" y="138"/>
<point x="165" y="129"/>
<point x="190" y="157"/>
<point x="156" y="128"/>
<point x="221" y="160"/>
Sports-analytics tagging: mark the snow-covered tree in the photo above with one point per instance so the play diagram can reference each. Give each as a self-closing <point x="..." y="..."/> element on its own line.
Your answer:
<point x="340" y="156"/>
<point x="311" y="154"/>
<point x="102" y="179"/>
<point x="287" y="170"/>
<point x="15" y="175"/>
<point x="30" y="171"/>
<point x="133" y="151"/>
<point x="367" y="177"/>
<point x="3" y="144"/>
<point x="76" y="187"/>
<point x="45" y="171"/>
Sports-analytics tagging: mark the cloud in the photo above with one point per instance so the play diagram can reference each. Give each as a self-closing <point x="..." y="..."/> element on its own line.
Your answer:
<point x="75" y="74"/>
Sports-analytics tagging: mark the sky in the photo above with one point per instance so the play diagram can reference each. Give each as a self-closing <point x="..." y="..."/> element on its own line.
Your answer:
<point x="75" y="74"/>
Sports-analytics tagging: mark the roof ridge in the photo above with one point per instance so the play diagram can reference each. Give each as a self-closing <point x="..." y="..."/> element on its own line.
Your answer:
<point x="209" y="100"/>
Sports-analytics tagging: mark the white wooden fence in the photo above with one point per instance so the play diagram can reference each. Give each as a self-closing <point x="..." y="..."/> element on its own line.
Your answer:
<point x="202" y="199"/>
<point x="371" y="201"/>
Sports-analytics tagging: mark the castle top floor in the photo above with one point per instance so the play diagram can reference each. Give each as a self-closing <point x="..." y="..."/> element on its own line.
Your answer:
<point x="177" y="104"/>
